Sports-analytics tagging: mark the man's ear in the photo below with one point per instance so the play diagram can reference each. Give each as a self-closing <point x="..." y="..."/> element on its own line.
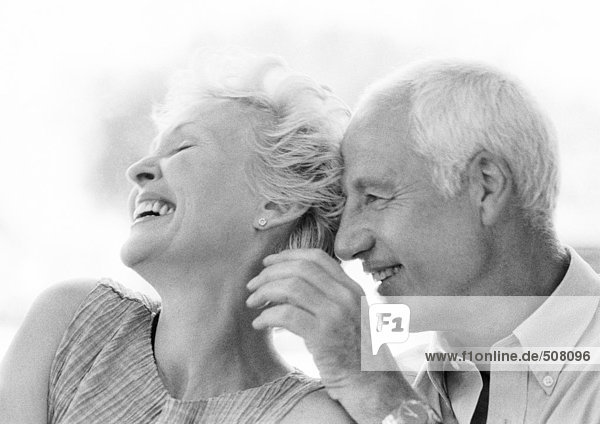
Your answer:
<point x="490" y="186"/>
<point x="270" y="214"/>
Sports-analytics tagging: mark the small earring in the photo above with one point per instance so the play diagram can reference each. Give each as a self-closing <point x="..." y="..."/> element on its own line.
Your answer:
<point x="262" y="222"/>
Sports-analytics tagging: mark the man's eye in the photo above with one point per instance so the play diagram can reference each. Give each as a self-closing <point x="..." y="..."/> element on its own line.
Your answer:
<point x="370" y="198"/>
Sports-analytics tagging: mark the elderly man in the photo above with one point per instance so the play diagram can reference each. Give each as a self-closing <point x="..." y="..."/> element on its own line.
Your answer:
<point x="451" y="180"/>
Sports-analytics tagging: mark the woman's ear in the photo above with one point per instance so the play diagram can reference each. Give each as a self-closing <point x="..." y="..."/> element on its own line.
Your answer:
<point x="270" y="214"/>
<point x="490" y="186"/>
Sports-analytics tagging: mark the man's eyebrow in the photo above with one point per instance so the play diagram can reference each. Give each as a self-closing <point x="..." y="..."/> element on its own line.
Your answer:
<point x="368" y="181"/>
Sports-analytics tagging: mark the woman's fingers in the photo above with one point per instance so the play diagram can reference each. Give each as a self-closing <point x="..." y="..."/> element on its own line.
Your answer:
<point x="292" y="318"/>
<point x="321" y="272"/>
<point x="290" y="290"/>
<point x="315" y="256"/>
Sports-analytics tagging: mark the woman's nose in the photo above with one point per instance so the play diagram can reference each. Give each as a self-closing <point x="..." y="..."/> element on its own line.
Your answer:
<point x="353" y="239"/>
<point x="144" y="170"/>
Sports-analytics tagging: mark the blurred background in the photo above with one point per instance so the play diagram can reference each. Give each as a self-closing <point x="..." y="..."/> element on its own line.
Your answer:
<point x="78" y="81"/>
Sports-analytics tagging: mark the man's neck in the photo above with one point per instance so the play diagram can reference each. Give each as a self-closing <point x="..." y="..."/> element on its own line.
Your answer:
<point x="524" y="273"/>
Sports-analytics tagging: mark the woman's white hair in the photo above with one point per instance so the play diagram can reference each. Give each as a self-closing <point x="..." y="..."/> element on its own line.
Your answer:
<point x="458" y="109"/>
<point x="298" y="132"/>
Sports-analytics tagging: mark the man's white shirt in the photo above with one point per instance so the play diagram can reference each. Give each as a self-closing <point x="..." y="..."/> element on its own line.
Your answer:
<point x="533" y="393"/>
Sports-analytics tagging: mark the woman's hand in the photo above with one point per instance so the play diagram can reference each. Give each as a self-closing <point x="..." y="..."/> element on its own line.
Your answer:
<point x="309" y="294"/>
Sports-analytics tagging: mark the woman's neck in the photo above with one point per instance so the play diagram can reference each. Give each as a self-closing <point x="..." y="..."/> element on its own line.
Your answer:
<point x="204" y="343"/>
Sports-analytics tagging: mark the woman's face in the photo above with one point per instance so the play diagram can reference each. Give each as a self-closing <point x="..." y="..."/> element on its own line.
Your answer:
<point x="191" y="199"/>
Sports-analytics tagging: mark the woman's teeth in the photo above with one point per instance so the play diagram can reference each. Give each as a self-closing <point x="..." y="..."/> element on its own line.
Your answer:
<point x="152" y="208"/>
<point x="385" y="273"/>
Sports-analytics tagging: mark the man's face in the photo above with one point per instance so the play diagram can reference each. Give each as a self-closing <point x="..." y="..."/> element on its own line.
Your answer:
<point x="407" y="234"/>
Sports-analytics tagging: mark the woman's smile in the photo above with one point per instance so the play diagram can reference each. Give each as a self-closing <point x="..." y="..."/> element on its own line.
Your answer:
<point x="152" y="209"/>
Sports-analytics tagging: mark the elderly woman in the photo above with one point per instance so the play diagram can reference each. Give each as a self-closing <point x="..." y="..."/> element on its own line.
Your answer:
<point x="245" y="164"/>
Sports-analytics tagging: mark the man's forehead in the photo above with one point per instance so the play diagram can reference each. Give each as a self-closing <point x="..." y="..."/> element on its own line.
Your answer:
<point x="375" y="135"/>
<point x="368" y="164"/>
<point x="377" y="149"/>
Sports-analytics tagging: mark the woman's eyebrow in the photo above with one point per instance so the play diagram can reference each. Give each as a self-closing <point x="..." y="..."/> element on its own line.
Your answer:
<point x="167" y="133"/>
<point x="174" y="130"/>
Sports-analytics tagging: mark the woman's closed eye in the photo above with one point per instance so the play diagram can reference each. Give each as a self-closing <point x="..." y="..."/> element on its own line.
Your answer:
<point x="182" y="147"/>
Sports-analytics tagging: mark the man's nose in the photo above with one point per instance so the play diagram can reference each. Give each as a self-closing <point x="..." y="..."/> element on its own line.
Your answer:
<point x="354" y="238"/>
<point x="144" y="170"/>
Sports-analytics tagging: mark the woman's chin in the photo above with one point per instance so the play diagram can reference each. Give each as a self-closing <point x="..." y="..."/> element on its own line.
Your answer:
<point x="132" y="255"/>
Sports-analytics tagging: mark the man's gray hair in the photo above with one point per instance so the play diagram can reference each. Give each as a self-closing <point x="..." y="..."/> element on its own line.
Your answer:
<point x="298" y="128"/>
<point x="458" y="109"/>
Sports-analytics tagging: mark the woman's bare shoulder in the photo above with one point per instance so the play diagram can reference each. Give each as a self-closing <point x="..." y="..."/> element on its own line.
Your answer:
<point x="25" y="368"/>
<point x="66" y="295"/>
<point x="54" y="308"/>
<point x="50" y="314"/>
<point x="317" y="408"/>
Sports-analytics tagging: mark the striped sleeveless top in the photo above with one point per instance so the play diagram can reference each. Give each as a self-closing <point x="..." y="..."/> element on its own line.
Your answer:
<point x="104" y="372"/>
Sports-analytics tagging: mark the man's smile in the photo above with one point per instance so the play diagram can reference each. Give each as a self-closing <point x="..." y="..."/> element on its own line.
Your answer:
<point x="381" y="273"/>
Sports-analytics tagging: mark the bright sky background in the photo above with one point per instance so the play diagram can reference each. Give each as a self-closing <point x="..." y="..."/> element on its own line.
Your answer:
<point x="55" y="55"/>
